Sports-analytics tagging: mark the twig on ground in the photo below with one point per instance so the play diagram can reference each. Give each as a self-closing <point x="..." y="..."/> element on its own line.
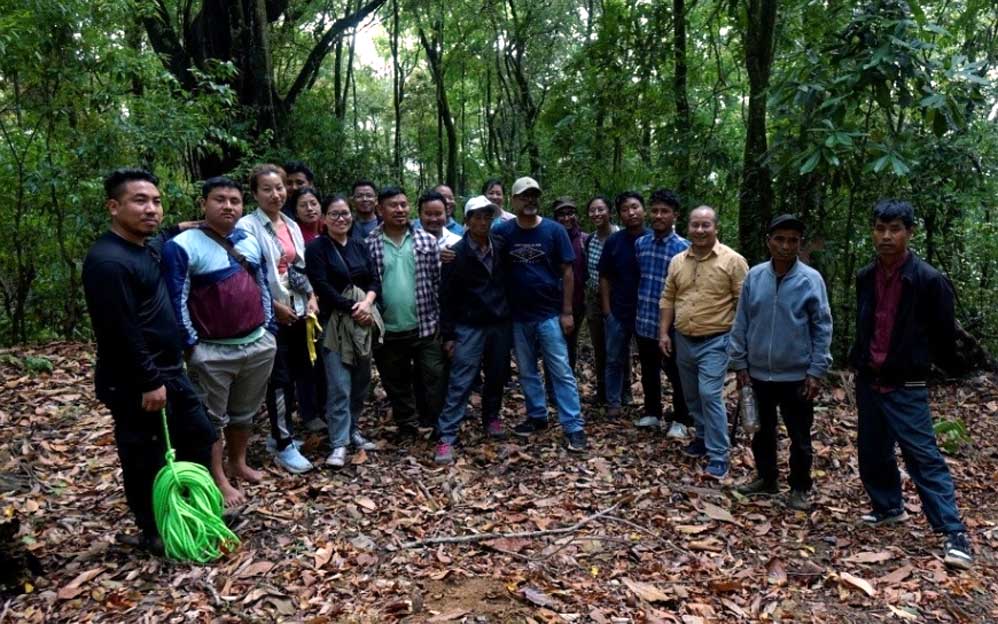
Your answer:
<point x="484" y="537"/>
<point x="658" y="538"/>
<point x="429" y="498"/>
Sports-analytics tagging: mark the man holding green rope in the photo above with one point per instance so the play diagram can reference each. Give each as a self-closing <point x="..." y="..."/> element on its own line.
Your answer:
<point x="139" y="368"/>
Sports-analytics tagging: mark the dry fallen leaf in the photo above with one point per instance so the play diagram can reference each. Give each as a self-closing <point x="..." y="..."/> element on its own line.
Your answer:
<point x="904" y="615"/>
<point x="711" y="543"/>
<point x="256" y="569"/>
<point x="870" y="557"/>
<point x="449" y="616"/>
<point x="718" y="513"/>
<point x="74" y="587"/>
<point x="537" y="597"/>
<point x="322" y="555"/>
<point x="858" y="583"/>
<point x="692" y="529"/>
<point x="646" y="591"/>
<point x="897" y="575"/>
<point x="366" y="503"/>
<point x="776" y="572"/>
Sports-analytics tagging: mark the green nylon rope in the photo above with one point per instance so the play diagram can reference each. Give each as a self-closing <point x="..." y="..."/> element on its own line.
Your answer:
<point x="188" y="509"/>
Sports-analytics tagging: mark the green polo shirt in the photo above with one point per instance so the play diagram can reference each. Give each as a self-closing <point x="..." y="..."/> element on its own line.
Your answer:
<point x="398" y="285"/>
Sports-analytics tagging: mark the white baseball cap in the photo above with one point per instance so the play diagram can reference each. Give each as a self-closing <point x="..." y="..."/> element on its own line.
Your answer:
<point x="523" y="184"/>
<point x="479" y="202"/>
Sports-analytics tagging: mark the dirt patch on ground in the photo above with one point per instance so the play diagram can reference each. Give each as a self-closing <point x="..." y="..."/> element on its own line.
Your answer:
<point x="479" y="599"/>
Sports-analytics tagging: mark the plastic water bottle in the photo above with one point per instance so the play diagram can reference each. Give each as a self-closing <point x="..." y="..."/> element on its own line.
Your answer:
<point x="749" y="412"/>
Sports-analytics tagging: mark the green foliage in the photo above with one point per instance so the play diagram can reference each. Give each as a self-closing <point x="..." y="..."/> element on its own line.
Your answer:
<point x="38" y="364"/>
<point x="951" y="434"/>
<point x="885" y="98"/>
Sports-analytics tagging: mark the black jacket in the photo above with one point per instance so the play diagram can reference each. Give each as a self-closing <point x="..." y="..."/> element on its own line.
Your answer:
<point x="469" y="295"/>
<point x="138" y="337"/>
<point x="324" y="265"/>
<point x="924" y="328"/>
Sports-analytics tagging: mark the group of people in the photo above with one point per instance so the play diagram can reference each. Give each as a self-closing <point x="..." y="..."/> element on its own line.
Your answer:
<point x="289" y="306"/>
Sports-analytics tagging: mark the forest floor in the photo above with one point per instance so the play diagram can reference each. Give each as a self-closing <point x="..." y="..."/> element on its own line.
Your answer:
<point x="330" y="546"/>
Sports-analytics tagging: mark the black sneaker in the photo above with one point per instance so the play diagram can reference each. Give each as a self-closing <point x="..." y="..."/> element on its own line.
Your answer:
<point x="529" y="427"/>
<point x="758" y="487"/>
<point x="958" y="552"/>
<point x="696" y="448"/>
<point x="892" y="516"/>
<point x="576" y="442"/>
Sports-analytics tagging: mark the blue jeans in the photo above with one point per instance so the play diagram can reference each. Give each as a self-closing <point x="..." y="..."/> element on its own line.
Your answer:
<point x="475" y="348"/>
<point x="546" y="336"/>
<point x="702" y="365"/>
<point x="902" y="416"/>
<point x="346" y="391"/>
<point x="618" y="358"/>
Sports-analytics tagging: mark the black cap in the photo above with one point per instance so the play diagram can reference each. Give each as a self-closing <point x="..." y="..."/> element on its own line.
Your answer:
<point x="562" y="202"/>
<point x="785" y="222"/>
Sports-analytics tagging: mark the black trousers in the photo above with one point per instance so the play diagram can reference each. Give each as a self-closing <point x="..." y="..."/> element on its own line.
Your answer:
<point x="414" y="376"/>
<point x="798" y="415"/>
<point x="652" y="365"/>
<point x="141" y="448"/>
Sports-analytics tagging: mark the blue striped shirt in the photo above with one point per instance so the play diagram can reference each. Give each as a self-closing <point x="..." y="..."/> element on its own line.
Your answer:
<point x="654" y="255"/>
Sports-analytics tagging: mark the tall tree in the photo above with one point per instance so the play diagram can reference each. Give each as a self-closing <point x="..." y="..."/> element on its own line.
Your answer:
<point x="684" y="120"/>
<point x="433" y="46"/>
<point x="755" y="198"/>
<point x="238" y="32"/>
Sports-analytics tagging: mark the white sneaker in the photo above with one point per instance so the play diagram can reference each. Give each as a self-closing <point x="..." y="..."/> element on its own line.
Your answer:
<point x="677" y="431"/>
<point x="271" y="444"/>
<point x="646" y="422"/>
<point x="292" y="460"/>
<point x="361" y="443"/>
<point x="338" y="458"/>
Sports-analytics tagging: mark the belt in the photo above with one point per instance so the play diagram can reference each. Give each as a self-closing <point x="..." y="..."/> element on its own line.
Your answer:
<point x="702" y="338"/>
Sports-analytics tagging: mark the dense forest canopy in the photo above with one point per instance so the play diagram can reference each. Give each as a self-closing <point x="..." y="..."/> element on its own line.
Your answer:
<point x="756" y="107"/>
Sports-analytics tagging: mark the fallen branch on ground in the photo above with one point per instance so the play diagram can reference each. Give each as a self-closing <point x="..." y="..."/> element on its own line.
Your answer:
<point x="484" y="537"/>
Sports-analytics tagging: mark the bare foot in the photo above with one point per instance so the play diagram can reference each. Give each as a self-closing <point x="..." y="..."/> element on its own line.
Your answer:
<point x="242" y="471"/>
<point x="231" y="496"/>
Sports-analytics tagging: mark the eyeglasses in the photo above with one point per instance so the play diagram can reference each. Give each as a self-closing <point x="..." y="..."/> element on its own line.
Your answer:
<point x="338" y="216"/>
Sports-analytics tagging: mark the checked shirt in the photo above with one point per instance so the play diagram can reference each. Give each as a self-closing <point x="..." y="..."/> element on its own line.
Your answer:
<point x="424" y="246"/>
<point x="654" y="255"/>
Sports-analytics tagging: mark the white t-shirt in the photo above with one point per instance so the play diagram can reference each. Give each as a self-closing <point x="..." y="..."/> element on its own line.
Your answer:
<point x="448" y="239"/>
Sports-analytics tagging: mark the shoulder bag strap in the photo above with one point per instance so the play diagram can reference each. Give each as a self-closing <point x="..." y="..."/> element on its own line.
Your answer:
<point x="229" y="248"/>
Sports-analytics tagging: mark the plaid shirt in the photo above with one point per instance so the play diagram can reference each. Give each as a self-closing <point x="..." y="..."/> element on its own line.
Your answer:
<point x="424" y="246"/>
<point x="654" y="255"/>
<point x="593" y="247"/>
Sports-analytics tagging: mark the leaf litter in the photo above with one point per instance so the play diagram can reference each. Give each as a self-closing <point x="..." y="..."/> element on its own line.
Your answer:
<point x="628" y="533"/>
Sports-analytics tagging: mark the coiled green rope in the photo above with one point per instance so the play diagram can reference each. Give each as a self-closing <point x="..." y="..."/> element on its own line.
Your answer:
<point x="188" y="509"/>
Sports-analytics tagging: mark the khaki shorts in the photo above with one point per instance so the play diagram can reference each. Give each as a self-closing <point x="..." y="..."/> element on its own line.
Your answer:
<point x="232" y="379"/>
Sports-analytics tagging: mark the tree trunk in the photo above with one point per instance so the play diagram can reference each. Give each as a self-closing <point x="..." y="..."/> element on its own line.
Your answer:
<point x="756" y="193"/>
<point x="684" y="123"/>
<point x="445" y="122"/>
<point x="397" y="94"/>
<point x="237" y="31"/>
